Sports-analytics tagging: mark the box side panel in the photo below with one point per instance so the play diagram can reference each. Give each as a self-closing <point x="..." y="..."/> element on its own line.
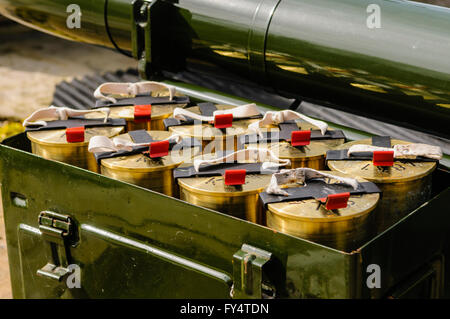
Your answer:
<point x="136" y="243"/>
<point x="409" y="249"/>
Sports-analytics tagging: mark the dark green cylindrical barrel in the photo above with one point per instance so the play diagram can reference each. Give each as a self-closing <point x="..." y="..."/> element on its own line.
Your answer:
<point x="325" y="50"/>
<point x="400" y="71"/>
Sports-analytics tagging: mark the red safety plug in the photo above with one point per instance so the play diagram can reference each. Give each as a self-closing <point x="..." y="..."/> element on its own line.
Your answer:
<point x="75" y="134"/>
<point x="159" y="149"/>
<point x="336" y="201"/>
<point x="300" y="138"/>
<point x="142" y="113"/>
<point x="235" y="176"/>
<point x="223" y="120"/>
<point x="383" y="158"/>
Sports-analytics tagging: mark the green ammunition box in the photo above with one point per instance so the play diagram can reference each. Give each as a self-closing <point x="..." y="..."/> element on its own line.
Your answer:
<point x="124" y="241"/>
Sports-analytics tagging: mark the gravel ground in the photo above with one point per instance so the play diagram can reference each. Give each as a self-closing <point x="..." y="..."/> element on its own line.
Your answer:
<point x="31" y="63"/>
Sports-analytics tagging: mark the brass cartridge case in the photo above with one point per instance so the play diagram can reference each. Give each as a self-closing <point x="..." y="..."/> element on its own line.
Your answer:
<point x="52" y="144"/>
<point x="344" y="229"/>
<point x="214" y="139"/>
<point x="312" y="155"/>
<point x="239" y="201"/>
<point x="139" y="169"/>
<point x="158" y="114"/>
<point x="405" y="186"/>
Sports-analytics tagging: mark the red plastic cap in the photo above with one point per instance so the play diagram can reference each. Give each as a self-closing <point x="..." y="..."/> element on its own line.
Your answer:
<point x="235" y="176"/>
<point x="142" y="113"/>
<point x="159" y="149"/>
<point x="383" y="158"/>
<point x="337" y="201"/>
<point x="300" y="138"/>
<point x="75" y="134"/>
<point x="223" y="120"/>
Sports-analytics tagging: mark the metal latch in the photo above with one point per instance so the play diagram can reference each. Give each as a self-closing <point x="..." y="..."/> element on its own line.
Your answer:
<point x="248" y="280"/>
<point x="142" y="36"/>
<point x="58" y="230"/>
<point x="151" y="33"/>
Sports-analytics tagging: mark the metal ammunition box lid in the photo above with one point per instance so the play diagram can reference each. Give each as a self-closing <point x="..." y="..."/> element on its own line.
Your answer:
<point x="401" y="171"/>
<point x="283" y="149"/>
<point x="159" y="111"/>
<point x="58" y="137"/>
<point x="143" y="163"/>
<point x="215" y="185"/>
<point x="206" y="131"/>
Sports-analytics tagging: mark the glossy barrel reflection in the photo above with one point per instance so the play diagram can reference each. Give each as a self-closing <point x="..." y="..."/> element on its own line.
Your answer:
<point x="360" y="55"/>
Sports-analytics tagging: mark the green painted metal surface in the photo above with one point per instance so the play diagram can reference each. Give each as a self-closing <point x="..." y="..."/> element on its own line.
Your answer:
<point x="132" y="242"/>
<point x="317" y="50"/>
<point x="137" y="243"/>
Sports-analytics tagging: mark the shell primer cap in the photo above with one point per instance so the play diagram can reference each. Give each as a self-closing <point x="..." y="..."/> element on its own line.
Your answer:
<point x="335" y="201"/>
<point x="301" y="138"/>
<point x="235" y="176"/>
<point x="223" y="120"/>
<point x="75" y="134"/>
<point x="142" y="113"/>
<point x="159" y="149"/>
<point x="383" y="158"/>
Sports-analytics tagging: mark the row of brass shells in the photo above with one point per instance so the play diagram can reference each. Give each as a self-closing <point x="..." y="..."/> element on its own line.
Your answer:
<point x="404" y="178"/>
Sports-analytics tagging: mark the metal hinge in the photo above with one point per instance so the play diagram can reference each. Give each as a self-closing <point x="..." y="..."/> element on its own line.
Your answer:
<point x="248" y="280"/>
<point x="58" y="230"/>
<point x="142" y="36"/>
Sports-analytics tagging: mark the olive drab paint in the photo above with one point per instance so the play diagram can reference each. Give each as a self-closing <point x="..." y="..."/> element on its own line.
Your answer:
<point x="118" y="220"/>
<point x="366" y="72"/>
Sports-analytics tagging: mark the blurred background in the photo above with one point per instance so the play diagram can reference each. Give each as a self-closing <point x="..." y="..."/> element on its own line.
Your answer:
<point x="31" y="64"/>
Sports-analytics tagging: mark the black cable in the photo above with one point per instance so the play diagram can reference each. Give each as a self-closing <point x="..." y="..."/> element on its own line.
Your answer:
<point x="105" y="13"/>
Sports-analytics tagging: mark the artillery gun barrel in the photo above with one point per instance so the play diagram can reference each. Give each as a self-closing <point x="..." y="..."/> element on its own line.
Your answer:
<point x="389" y="60"/>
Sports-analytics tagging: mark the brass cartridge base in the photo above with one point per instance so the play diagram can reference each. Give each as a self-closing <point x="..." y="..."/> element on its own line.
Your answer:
<point x="154" y="174"/>
<point x="160" y="181"/>
<point x="239" y="201"/>
<point x="312" y="155"/>
<point x="214" y="139"/>
<point x="344" y="229"/>
<point x="405" y="185"/>
<point x="159" y="113"/>
<point x="52" y="145"/>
